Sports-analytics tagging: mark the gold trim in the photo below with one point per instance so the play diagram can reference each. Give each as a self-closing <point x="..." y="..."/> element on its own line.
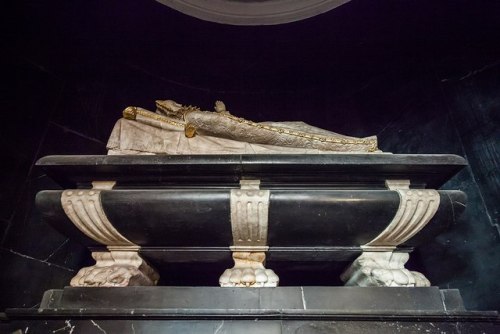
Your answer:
<point x="132" y="112"/>
<point x="344" y="141"/>
<point x="189" y="131"/>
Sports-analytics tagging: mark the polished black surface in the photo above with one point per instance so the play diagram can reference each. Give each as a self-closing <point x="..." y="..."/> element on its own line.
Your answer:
<point x="349" y="170"/>
<point x="213" y="302"/>
<point x="186" y="233"/>
<point x="256" y="310"/>
<point x="201" y="217"/>
<point x="353" y="325"/>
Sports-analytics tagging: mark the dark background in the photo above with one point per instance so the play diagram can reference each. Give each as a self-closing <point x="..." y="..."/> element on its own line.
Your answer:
<point x="424" y="76"/>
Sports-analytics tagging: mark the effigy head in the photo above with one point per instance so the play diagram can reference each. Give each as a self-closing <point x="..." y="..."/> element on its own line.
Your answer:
<point x="167" y="107"/>
<point x="173" y="109"/>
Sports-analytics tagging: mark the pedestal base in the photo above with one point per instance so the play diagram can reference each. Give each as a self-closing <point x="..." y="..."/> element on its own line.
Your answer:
<point x="305" y="309"/>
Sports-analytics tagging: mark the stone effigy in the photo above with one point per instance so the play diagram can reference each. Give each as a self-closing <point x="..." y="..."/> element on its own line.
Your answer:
<point x="176" y="129"/>
<point x="182" y="183"/>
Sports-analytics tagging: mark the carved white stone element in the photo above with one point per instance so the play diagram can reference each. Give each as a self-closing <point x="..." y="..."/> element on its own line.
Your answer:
<point x="249" y="222"/>
<point x="249" y="271"/>
<point x="122" y="265"/>
<point x="116" y="269"/>
<point x="378" y="265"/>
<point x="84" y="208"/>
<point x="245" y="12"/>
<point x="416" y="208"/>
<point x="382" y="269"/>
<point x="249" y="214"/>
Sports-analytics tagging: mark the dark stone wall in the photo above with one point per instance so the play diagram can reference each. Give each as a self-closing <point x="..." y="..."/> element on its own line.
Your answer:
<point x="422" y="75"/>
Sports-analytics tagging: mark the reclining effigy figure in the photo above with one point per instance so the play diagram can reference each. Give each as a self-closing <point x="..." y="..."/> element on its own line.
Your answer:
<point x="176" y="129"/>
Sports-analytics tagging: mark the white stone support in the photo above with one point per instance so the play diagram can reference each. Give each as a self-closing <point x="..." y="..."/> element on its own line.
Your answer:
<point x="416" y="208"/>
<point x="249" y="214"/>
<point x="122" y="265"/>
<point x="249" y="223"/>
<point x="378" y="265"/>
<point x="116" y="269"/>
<point x="84" y="209"/>
<point x="382" y="269"/>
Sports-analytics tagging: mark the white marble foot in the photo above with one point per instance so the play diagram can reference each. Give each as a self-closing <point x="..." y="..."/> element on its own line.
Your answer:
<point x="382" y="269"/>
<point x="116" y="269"/>
<point x="249" y="271"/>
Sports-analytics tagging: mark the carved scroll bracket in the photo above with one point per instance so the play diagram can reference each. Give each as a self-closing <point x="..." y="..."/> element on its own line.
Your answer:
<point x="379" y="265"/>
<point x="84" y="208"/>
<point x="249" y="223"/>
<point x="122" y="265"/>
<point x="416" y="209"/>
<point x="249" y="215"/>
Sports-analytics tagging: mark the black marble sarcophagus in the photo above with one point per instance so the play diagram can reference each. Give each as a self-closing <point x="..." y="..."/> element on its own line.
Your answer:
<point x="304" y="214"/>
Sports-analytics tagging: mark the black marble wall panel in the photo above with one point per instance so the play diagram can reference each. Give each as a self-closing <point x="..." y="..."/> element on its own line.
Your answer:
<point x="475" y="99"/>
<point x="459" y="117"/>
<point x="28" y="98"/>
<point x="37" y="257"/>
<point x="422" y="75"/>
<point x="26" y="277"/>
<point x="466" y="256"/>
<point x="473" y="246"/>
